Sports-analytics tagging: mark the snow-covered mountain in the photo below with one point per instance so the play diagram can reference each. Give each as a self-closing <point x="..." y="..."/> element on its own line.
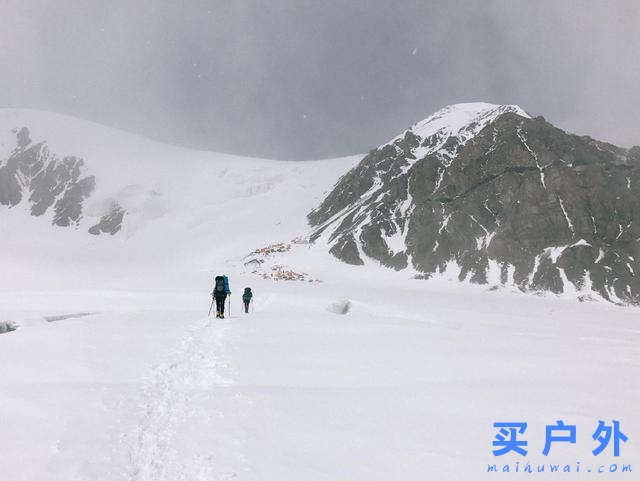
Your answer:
<point x="80" y="201"/>
<point x="112" y="371"/>
<point x="478" y="192"/>
<point x="490" y="195"/>
<point x="80" y="174"/>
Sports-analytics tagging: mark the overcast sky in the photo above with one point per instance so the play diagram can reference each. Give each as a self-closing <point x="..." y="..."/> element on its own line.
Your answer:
<point x="297" y="79"/>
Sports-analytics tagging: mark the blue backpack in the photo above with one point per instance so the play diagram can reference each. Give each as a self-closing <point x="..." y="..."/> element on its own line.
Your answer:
<point x="222" y="285"/>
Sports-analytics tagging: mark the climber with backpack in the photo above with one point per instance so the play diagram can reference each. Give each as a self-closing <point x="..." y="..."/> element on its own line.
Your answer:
<point x="219" y="294"/>
<point x="246" y="298"/>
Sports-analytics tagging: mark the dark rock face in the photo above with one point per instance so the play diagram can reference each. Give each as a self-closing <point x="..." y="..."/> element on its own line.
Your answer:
<point x="68" y="209"/>
<point x="48" y="181"/>
<point x="519" y="203"/>
<point x="110" y="223"/>
<point x="7" y="326"/>
<point x="633" y="156"/>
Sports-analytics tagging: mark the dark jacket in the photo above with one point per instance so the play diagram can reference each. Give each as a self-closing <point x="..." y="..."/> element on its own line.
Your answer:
<point x="215" y="293"/>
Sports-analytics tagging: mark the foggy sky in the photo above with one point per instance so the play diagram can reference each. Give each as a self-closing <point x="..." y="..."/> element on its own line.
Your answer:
<point x="297" y="79"/>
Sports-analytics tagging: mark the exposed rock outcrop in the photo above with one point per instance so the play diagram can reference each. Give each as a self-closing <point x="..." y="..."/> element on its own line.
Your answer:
<point x="31" y="171"/>
<point x="504" y="198"/>
<point x="110" y="223"/>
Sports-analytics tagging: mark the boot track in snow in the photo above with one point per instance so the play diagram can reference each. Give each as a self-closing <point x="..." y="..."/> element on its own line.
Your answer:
<point x="193" y="366"/>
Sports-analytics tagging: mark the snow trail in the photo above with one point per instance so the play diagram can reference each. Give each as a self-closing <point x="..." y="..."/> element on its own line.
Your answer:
<point x="194" y="366"/>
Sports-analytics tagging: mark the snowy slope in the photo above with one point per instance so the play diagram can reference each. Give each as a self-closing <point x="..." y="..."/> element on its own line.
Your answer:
<point x="116" y="374"/>
<point x="184" y="208"/>
<point x="404" y="386"/>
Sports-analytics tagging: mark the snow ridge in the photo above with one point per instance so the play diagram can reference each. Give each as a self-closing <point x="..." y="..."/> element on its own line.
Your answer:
<point x="463" y="120"/>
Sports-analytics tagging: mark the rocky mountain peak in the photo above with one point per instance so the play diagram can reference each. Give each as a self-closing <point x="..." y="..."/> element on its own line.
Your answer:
<point x="462" y="120"/>
<point x="496" y="197"/>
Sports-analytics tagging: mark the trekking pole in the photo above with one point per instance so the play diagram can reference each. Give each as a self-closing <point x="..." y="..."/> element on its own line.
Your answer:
<point x="229" y="304"/>
<point x="251" y="306"/>
<point x="210" y="307"/>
